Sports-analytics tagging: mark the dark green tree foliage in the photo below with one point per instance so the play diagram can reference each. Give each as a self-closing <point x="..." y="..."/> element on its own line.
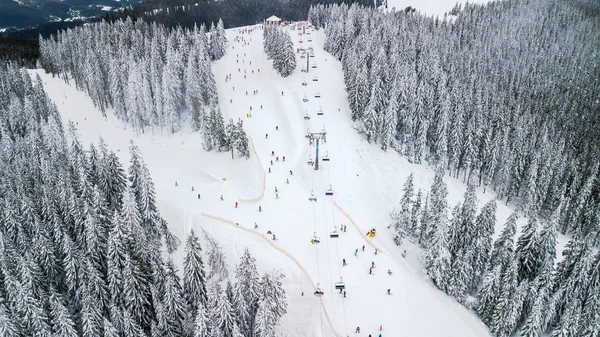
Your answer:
<point x="278" y="46"/>
<point x="194" y="278"/>
<point x="78" y="241"/>
<point x="526" y="127"/>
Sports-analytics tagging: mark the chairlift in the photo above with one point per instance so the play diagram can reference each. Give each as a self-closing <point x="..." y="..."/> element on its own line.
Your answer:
<point x="334" y="235"/>
<point x="315" y="239"/>
<point x="329" y="191"/>
<point x="318" y="94"/>
<point x="340" y="285"/>
<point x="318" y="291"/>
<point x="320" y="112"/>
<point x="326" y="156"/>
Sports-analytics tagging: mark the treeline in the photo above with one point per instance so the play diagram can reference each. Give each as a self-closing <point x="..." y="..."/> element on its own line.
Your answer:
<point x="512" y="283"/>
<point x="151" y="76"/>
<point x="235" y="13"/>
<point x="82" y="243"/>
<point x="279" y="47"/>
<point x="498" y="107"/>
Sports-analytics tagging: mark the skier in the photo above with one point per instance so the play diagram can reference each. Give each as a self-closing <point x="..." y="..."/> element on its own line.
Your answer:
<point x="356" y="252"/>
<point x="282" y="93"/>
<point x="283" y="158"/>
<point x="176" y="184"/>
<point x="246" y="93"/>
<point x="198" y="195"/>
<point x="244" y="76"/>
<point x="259" y="70"/>
<point x="343" y="262"/>
<point x="276" y="127"/>
<point x="251" y="108"/>
<point x="276" y="189"/>
<point x="372" y="264"/>
<point x="277" y="158"/>
<point x="236" y="204"/>
<point x="341" y="227"/>
<point x="259" y="208"/>
<point x="271" y="161"/>
<point x="291" y="173"/>
<point x="287" y="181"/>
<point x="380" y="329"/>
<point x="255" y="225"/>
<point x="375" y="251"/>
<point x="272" y="153"/>
<point x="192" y="188"/>
<point x="269" y="170"/>
<point x="274" y="237"/>
<point x="389" y="272"/>
<point x="261" y="107"/>
<point x="363" y="248"/>
<point x="370" y="270"/>
<point x="389" y="292"/>
<point x="344" y="293"/>
<point x="344" y="228"/>
<point x="230" y="100"/>
<point x="357" y="329"/>
<point x="266" y="135"/>
<point x="276" y="195"/>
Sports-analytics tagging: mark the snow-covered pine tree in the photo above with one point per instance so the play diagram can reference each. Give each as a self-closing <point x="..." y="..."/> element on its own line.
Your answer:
<point x="194" y="278"/>
<point x="246" y="291"/>
<point x="216" y="258"/>
<point x="527" y="251"/>
<point x="402" y="217"/>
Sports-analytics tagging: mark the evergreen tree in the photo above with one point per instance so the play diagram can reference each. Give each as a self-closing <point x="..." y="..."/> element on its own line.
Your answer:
<point x="527" y="251"/>
<point x="194" y="279"/>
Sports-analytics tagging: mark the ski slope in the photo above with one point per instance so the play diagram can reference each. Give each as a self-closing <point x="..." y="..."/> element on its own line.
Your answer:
<point x="367" y="184"/>
<point x="430" y="7"/>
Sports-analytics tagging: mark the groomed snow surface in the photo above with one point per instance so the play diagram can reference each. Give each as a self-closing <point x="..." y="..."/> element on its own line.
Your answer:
<point x="429" y="7"/>
<point x="367" y="184"/>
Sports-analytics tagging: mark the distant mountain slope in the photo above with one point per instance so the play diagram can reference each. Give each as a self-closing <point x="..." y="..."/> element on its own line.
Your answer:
<point x="13" y="14"/>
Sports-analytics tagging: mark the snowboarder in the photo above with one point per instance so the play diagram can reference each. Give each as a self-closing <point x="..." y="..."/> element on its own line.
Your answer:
<point x="363" y="248"/>
<point x="343" y="262"/>
<point x="404" y="253"/>
<point x="222" y="197"/>
<point x="192" y="188"/>
<point x="356" y="252"/>
<point x="259" y="208"/>
<point x="236" y="204"/>
<point x="389" y="272"/>
<point x="198" y="195"/>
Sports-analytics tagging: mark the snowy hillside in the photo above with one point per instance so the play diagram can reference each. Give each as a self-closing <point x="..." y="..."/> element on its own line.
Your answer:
<point x="366" y="182"/>
<point x="430" y="7"/>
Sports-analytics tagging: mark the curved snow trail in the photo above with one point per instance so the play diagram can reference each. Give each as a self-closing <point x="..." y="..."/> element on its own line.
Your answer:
<point x="366" y="238"/>
<point x="262" y="194"/>
<point x="282" y="251"/>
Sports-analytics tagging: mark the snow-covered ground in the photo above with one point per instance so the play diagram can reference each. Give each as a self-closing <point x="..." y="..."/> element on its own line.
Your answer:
<point x="367" y="183"/>
<point x="429" y="7"/>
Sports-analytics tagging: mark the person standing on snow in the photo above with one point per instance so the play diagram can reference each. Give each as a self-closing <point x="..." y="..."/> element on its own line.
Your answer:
<point x="356" y="252"/>
<point x="371" y="270"/>
<point x="236" y="204"/>
<point x="259" y="208"/>
<point x="198" y="195"/>
<point x="287" y="181"/>
<point x="192" y="188"/>
<point x="343" y="262"/>
<point x="363" y="248"/>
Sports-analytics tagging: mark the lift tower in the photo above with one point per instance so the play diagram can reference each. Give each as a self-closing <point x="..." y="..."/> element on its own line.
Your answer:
<point x="316" y="137"/>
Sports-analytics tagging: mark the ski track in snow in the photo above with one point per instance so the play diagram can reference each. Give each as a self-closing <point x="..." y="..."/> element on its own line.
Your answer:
<point x="366" y="180"/>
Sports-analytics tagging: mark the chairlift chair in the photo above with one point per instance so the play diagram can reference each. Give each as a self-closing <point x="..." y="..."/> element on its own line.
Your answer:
<point x="304" y="82"/>
<point x="340" y="285"/>
<point x="315" y="239"/>
<point x="318" y="94"/>
<point x="312" y="196"/>
<point x="326" y="156"/>
<point x="306" y="116"/>
<point x="316" y="78"/>
<point x="320" y="112"/>
<point x="314" y="65"/>
<point x="305" y="99"/>
<point x="318" y="291"/>
<point x="334" y="235"/>
<point x="329" y="191"/>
